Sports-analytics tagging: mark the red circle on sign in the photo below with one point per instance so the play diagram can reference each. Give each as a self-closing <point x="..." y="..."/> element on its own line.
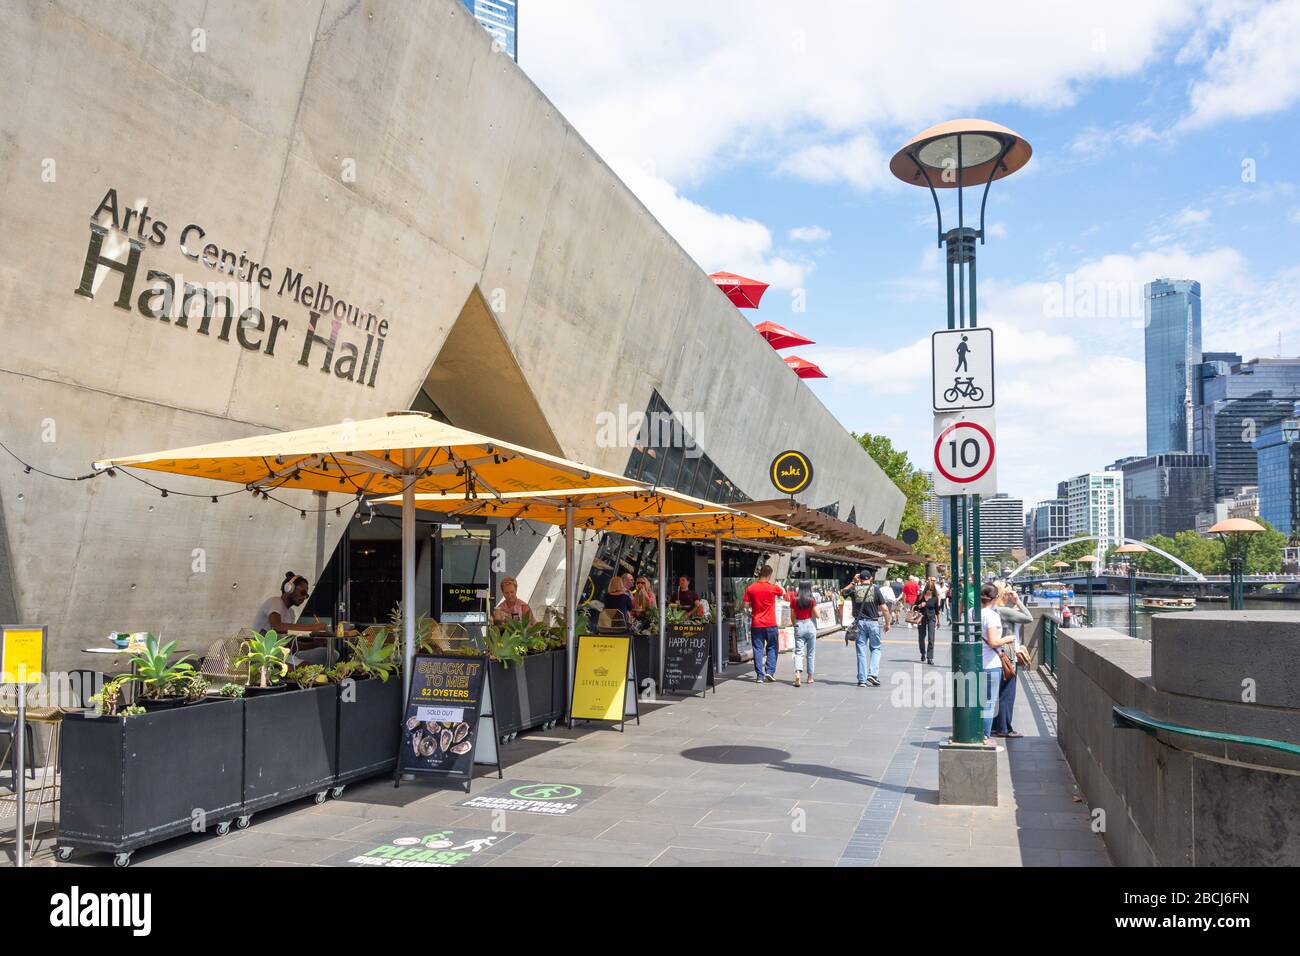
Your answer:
<point x="944" y="434"/>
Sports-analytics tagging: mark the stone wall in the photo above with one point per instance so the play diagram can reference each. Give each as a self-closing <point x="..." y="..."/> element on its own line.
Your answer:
<point x="1171" y="799"/>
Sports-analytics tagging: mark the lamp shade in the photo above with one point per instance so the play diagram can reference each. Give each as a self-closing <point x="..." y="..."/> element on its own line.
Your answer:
<point x="1235" y="526"/>
<point x="930" y="157"/>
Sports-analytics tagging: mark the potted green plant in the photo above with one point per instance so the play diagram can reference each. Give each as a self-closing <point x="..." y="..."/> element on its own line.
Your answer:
<point x="308" y="675"/>
<point x="265" y="657"/>
<point x="369" y="705"/>
<point x="163" y="682"/>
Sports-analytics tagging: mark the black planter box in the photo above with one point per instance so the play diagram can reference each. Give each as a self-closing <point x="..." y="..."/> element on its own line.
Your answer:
<point x="290" y="745"/>
<point x="506" y="696"/>
<point x="560" y="682"/>
<point x="369" y="728"/>
<point x="528" y="694"/>
<point x="131" y="781"/>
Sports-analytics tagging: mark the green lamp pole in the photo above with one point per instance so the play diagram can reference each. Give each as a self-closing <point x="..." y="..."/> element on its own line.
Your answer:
<point x="1089" y="560"/>
<point x="1130" y="552"/>
<point x="956" y="155"/>
<point x="1234" y="532"/>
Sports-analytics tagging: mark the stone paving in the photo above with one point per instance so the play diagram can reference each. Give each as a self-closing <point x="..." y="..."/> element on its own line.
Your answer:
<point x="771" y="775"/>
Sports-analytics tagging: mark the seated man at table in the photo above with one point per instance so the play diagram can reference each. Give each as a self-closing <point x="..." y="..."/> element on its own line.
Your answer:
<point x="684" y="597"/>
<point x="280" y="613"/>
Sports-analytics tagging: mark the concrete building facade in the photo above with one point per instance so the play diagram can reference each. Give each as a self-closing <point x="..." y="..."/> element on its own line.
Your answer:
<point x="211" y="231"/>
<point x="1163" y="494"/>
<point x="1095" y="506"/>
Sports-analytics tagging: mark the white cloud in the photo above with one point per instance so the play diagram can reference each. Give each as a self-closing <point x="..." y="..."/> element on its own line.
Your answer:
<point x="1191" y="217"/>
<point x="809" y="234"/>
<point x="859" y="161"/>
<point x="717" y="241"/>
<point x="1093" y="141"/>
<point x="1256" y="71"/>
<point x="692" y="87"/>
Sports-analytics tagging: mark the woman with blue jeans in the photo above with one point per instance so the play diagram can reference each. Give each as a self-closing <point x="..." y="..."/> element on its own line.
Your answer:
<point x="994" y="640"/>
<point x="804" y="607"/>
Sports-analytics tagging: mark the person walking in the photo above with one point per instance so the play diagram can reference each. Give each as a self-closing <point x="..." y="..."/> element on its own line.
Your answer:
<point x="911" y="591"/>
<point x="929" y="605"/>
<point x="851" y="591"/>
<point x="1013" y="616"/>
<point x="874" y="616"/>
<point x="991" y="676"/>
<point x="891" y="601"/>
<point x="760" y="600"/>
<point x="804" y="609"/>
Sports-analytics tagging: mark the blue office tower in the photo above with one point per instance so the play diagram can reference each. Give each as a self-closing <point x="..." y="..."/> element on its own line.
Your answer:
<point x="1173" y="352"/>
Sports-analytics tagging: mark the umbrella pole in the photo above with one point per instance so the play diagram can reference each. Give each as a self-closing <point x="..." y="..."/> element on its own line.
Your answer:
<point x="408" y="573"/>
<point x="570" y="608"/>
<point x="663" y="599"/>
<point x="717" y="598"/>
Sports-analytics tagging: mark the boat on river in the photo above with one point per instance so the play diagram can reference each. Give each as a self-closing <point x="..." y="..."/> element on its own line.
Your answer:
<point x="1166" y="604"/>
<point x="1053" y="591"/>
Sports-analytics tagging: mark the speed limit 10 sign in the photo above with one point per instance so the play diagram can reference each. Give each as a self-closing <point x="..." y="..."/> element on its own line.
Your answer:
<point x="965" y="453"/>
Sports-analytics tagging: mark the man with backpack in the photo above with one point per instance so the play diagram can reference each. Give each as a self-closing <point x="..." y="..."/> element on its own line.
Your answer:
<point x="870" y="615"/>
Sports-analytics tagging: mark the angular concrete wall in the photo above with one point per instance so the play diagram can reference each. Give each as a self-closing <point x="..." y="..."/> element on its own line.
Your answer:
<point x="1173" y="799"/>
<point x="379" y="147"/>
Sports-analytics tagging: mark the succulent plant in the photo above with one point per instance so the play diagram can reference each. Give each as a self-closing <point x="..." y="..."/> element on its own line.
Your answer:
<point x="265" y="653"/>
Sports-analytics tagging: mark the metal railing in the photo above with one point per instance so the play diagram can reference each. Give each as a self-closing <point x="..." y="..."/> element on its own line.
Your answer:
<point x="1049" y="643"/>
<point x="1127" y="717"/>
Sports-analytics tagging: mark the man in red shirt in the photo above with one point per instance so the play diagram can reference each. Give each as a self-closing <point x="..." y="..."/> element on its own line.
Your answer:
<point x="911" y="590"/>
<point x="760" y="600"/>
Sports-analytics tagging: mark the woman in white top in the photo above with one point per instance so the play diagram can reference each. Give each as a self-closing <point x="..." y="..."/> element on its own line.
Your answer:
<point x="1013" y="616"/>
<point x="994" y="640"/>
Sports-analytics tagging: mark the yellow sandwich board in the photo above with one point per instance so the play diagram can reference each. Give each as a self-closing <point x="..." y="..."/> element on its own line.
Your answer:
<point x="600" y="677"/>
<point x="22" y="655"/>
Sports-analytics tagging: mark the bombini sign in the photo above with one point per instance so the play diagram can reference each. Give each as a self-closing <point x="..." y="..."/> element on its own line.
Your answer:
<point x="220" y="313"/>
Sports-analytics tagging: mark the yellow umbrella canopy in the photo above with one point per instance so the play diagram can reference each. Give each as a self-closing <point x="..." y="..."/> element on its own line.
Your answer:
<point x="626" y="509"/>
<point x="369" y="457"/>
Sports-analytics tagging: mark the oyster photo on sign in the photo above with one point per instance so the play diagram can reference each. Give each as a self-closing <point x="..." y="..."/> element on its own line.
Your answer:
<point x="444" y="740"/>
<point x="461" y="732"/>
<point x="461" y="748"/>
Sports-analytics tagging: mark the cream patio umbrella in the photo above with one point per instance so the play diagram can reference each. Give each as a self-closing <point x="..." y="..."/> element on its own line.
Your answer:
<point x="402" y="454"/>
<point x="625" y="509"/>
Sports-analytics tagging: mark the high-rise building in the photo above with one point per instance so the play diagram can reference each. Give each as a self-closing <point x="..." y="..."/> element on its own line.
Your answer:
<point x="1095" y="506"/>
<point x="1048" y="525"/>
<point x="1279" y="474"/>
<point x="1237" y="402"/>
<point x="1002" y="524"/>
<point x="501" y="19"/>
<point x="1163" y="494"/>
<point x="1173" y="350"/>
<point x="932" y="507"/>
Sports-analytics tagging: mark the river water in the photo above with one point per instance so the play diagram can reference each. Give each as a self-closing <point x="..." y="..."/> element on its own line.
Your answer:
<point x="1111" y="610"/>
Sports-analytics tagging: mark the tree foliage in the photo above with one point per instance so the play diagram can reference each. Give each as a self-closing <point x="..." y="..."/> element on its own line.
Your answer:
<point x="914" y="485"/>
<point x="1262" y="552"/>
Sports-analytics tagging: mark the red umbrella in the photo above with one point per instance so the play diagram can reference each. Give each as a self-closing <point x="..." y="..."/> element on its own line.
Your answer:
<point x="743" y="293"/>
<point x="779" y="337"/>
<point x="804" y="368"/>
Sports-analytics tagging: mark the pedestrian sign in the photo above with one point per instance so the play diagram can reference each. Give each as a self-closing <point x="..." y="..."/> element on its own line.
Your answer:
<point x="962" y="369"/>
<point x="965" y="453"/>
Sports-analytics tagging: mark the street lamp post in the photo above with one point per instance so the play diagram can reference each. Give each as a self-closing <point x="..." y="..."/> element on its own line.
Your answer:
<point x="955" y="155"/>
<point x="1235" y="533"/>
<point x="1089" y="560"/>
<point x="1130" y="552"/>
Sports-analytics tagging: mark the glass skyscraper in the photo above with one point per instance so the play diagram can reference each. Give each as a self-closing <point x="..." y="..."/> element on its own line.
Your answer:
<point x="1279" y="476"/>
<point x="1238" y="401"/>
<point x="1173" y="351"/>
<point x="501" y="19"/>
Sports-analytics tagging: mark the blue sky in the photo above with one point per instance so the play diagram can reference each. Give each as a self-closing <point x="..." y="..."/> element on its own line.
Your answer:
<point x="759" y="134"/>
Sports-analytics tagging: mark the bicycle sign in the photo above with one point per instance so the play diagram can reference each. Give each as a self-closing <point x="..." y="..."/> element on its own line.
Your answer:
<point x="965" y="453"/>
<point x="962" y="369"/>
